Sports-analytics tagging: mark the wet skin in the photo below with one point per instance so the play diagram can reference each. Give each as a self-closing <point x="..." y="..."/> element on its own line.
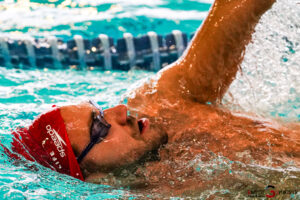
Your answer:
<point x="124" y="144"/>
<point x="176" y="97"/>
<point x="236" y="136"/>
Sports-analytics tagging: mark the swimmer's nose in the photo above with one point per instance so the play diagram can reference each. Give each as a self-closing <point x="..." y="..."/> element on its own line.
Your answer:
<point x="117" y="113"/>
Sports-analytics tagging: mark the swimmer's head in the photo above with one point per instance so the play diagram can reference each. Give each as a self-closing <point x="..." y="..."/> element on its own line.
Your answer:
<point x="127" y="140"/>
<point x="46" y="142"/>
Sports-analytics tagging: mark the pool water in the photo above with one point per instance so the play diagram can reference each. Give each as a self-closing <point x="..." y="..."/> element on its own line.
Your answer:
<point x="92" y="17"/>
<point x="25" y="94"/>
<point x="269" y="86"/>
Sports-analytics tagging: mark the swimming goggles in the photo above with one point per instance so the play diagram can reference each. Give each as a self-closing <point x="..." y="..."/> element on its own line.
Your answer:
<point x="98" y="132"/>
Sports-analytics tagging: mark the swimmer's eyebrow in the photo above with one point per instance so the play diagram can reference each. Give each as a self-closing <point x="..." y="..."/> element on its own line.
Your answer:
<point x="97" y="107"/>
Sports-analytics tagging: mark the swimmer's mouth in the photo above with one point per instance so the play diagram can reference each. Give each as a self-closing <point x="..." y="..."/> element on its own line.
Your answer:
<point x="143" y="125"/>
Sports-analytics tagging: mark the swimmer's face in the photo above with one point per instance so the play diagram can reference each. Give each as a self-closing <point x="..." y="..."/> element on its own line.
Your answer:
<point x="124" y="144"/>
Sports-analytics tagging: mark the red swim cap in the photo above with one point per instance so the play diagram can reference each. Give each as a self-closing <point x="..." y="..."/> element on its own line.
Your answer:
<point x="46" y="141"/>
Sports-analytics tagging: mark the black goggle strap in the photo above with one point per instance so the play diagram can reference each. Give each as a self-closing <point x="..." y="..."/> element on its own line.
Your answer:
<point x="99" y="130"/>
<point x="85" y="151"/>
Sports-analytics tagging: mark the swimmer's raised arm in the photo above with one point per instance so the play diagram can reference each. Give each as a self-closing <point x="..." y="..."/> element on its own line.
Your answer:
<point x="212" y="60"/>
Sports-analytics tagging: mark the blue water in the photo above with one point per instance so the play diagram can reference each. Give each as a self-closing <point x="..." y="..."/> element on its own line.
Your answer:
<point x="92" y="17"/>
<point x="26" y="93"/>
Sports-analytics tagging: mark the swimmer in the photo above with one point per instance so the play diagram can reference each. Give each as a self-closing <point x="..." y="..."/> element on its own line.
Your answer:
<point x="180" y="104"/>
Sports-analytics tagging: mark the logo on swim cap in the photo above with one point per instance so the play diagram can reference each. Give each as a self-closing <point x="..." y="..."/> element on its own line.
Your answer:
<point x="58" y="141"/>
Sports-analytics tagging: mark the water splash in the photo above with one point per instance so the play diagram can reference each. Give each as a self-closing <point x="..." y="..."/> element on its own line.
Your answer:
<point x="269" y="84"/>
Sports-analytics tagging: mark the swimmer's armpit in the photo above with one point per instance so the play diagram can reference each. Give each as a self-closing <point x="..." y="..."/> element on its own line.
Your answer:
<point x="212" y="60"/>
